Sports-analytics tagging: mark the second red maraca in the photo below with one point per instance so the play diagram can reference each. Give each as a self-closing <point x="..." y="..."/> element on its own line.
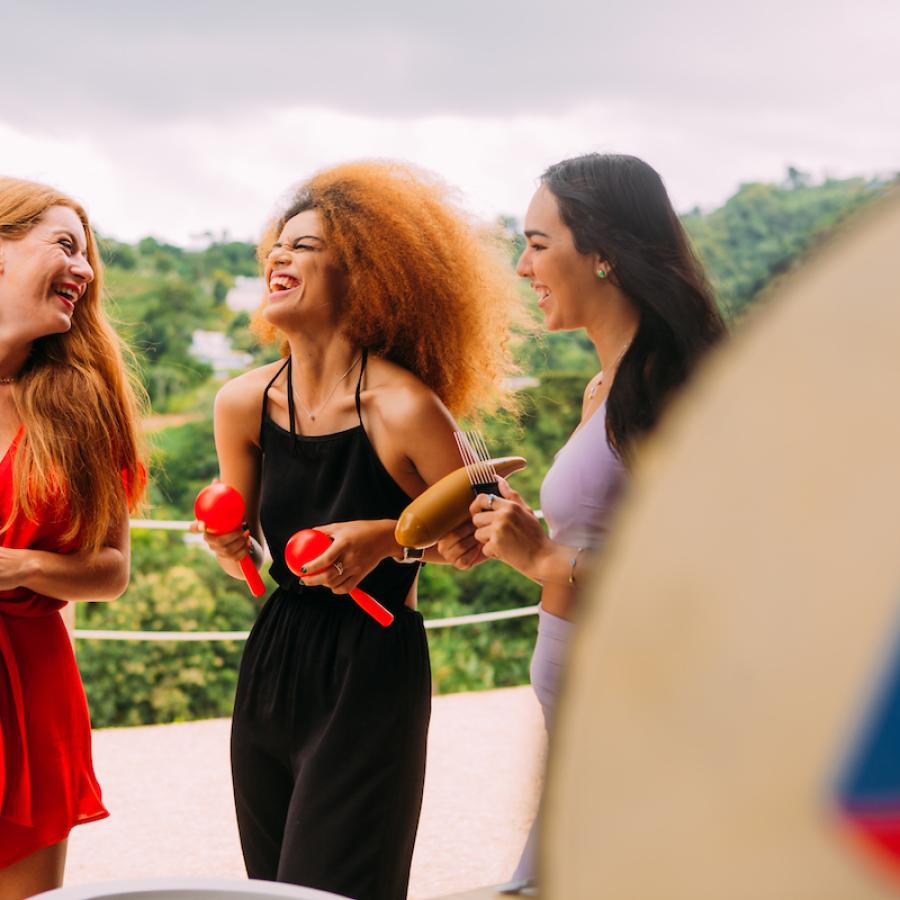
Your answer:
<point x="310" y="543"/>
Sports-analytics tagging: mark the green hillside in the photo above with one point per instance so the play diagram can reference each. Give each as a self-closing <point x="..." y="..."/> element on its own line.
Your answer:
<point x="161" y="294"/>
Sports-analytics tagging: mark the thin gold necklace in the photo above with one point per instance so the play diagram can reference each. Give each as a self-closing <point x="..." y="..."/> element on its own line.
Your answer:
<point x="613" y="368"/>
<point x="312" y="413"/>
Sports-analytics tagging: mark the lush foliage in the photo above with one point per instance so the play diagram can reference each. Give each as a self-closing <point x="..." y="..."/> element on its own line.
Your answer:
<point x="163" y="293"/>
<point x="173" y="588"/>
<point x="160" y="295"/>
<point x="184" y="462"/>
<point x="760" y="232"/>
<point x="178" y="587"/>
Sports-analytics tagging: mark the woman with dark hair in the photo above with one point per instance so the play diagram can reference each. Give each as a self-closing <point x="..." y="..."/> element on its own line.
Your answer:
<point x="606" y="253"/>
<point x="387" y="304"/>
<point x="71" y="469"/>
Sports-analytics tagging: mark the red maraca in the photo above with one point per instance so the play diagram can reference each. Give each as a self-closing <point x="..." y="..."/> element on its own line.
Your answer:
<point x="310" y="543"/>
<point x="221" y="509"/>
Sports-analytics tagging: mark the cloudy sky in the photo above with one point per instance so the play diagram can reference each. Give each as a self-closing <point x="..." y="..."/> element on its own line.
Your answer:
<point x="177" y="118"/>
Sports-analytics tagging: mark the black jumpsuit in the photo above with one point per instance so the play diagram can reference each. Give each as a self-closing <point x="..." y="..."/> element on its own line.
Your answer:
<point x="332" y="710"/>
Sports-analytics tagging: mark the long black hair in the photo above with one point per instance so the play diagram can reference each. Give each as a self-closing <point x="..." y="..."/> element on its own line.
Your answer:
<point x="617" y="207"/>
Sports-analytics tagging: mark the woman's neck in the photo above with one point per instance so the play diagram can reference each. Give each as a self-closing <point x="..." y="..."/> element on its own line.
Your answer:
<point x="613" y="329"/>
<point x="12" y="357"/>
<point x="318" y="364"/>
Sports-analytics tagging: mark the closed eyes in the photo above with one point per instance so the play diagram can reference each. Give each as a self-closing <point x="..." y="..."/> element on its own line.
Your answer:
<point x="70" y="245"/>
<point x="298" y="244"/>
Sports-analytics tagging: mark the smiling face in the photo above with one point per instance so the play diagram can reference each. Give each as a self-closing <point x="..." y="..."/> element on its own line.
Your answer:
<point x="564" y="279"/>
<point x="44" y="275"/>
<point x="304" y="277"/>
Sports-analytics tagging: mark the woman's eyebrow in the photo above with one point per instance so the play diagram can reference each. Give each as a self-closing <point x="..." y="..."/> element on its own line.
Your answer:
<point x="293" y="240"/>
<point x="533" y="232"/>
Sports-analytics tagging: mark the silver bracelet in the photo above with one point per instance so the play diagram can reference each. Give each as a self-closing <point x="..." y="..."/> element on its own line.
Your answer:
<point x="572" y="563"/>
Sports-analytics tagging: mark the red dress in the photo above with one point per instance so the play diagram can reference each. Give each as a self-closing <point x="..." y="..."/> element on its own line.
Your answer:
<point x="47" y="781"/>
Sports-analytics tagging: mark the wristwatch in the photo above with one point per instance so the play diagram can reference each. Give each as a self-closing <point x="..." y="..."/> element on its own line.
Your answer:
<point x="412" y="555"/>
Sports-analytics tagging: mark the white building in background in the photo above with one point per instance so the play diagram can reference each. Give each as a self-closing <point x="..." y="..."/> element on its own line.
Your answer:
<point x="246" y="294"/>
<point x="214" y="348"/>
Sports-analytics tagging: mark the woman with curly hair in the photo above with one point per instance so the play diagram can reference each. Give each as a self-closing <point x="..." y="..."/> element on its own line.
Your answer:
<point x="393" y="313"/>
<point x="68" y="434"/>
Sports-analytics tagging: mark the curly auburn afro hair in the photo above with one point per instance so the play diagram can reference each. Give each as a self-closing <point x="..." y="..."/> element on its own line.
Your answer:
<point x="427" y="288"/>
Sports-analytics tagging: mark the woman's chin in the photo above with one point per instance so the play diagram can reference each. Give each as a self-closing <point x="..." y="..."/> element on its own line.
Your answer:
<point x="59" y="325"/>
<point x="554" y="322"/>
<point x="276" y="314"/>
<point x="551" y="323"/>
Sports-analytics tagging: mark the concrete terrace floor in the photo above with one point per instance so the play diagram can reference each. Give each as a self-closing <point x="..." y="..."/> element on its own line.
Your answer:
<point x="168" y="789"/>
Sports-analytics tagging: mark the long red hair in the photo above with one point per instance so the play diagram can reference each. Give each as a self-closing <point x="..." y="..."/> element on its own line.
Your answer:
<point x="76" y="399"/>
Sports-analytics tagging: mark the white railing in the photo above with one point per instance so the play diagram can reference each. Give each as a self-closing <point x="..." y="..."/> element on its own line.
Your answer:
<point x="175" y="525"/>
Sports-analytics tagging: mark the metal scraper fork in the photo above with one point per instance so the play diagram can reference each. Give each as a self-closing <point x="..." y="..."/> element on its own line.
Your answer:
<point x="477" y="460"/>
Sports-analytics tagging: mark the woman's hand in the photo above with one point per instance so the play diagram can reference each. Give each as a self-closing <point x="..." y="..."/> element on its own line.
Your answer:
<point x="509" y="530"/>
<point x="229" y="546"/>
<point x="461" y="548"/>
<point x="357" y="547"/>
<point x="13" y="568"/>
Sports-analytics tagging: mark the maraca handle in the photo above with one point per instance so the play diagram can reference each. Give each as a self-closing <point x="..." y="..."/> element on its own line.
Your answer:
<point x="251" y="576"/>
<point x="369" y="604"/>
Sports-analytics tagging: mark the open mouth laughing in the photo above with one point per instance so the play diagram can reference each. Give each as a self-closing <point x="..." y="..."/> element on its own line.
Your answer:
<point x="543" y="293"/>
<point x="68" y="294"/>
<point x="281" y="282"/>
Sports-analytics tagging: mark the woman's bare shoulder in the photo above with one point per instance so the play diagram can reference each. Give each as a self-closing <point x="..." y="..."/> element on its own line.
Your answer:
<point x="242" y="394"/>
<point x="398" y="396"/>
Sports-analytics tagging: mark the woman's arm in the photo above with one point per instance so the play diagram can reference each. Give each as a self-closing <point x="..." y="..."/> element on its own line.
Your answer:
<point x="235" y="419"/>
<point x="509" y="531"/>
<point x="434" y="454"/>
<point x="72" y="576"/>
<point x="461" y="549"/>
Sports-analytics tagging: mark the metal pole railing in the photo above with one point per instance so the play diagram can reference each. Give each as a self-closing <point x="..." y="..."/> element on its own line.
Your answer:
<point x="176" y="525"/>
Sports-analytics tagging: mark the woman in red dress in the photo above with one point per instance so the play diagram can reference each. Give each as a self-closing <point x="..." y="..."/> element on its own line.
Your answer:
<point x="69" y="471"/>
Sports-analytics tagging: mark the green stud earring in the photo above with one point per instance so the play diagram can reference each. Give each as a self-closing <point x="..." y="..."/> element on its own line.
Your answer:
<point x="601" y="273"/>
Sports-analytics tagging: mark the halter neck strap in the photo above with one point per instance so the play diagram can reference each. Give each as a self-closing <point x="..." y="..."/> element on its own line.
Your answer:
<point x="362" y="368"/>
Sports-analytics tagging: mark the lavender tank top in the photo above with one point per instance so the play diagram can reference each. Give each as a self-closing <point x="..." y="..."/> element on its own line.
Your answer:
<point x="583" y="485"/>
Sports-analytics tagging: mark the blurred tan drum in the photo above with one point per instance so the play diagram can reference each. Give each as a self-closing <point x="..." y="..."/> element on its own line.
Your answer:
<point x="734" y="652"/>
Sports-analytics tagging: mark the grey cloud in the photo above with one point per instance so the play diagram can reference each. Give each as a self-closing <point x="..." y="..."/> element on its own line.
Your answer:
<point x="120" y="62"/>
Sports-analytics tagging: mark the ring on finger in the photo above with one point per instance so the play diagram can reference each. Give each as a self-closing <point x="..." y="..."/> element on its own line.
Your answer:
<point x="490" y="502"/>
<point x="339" y="566"/>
